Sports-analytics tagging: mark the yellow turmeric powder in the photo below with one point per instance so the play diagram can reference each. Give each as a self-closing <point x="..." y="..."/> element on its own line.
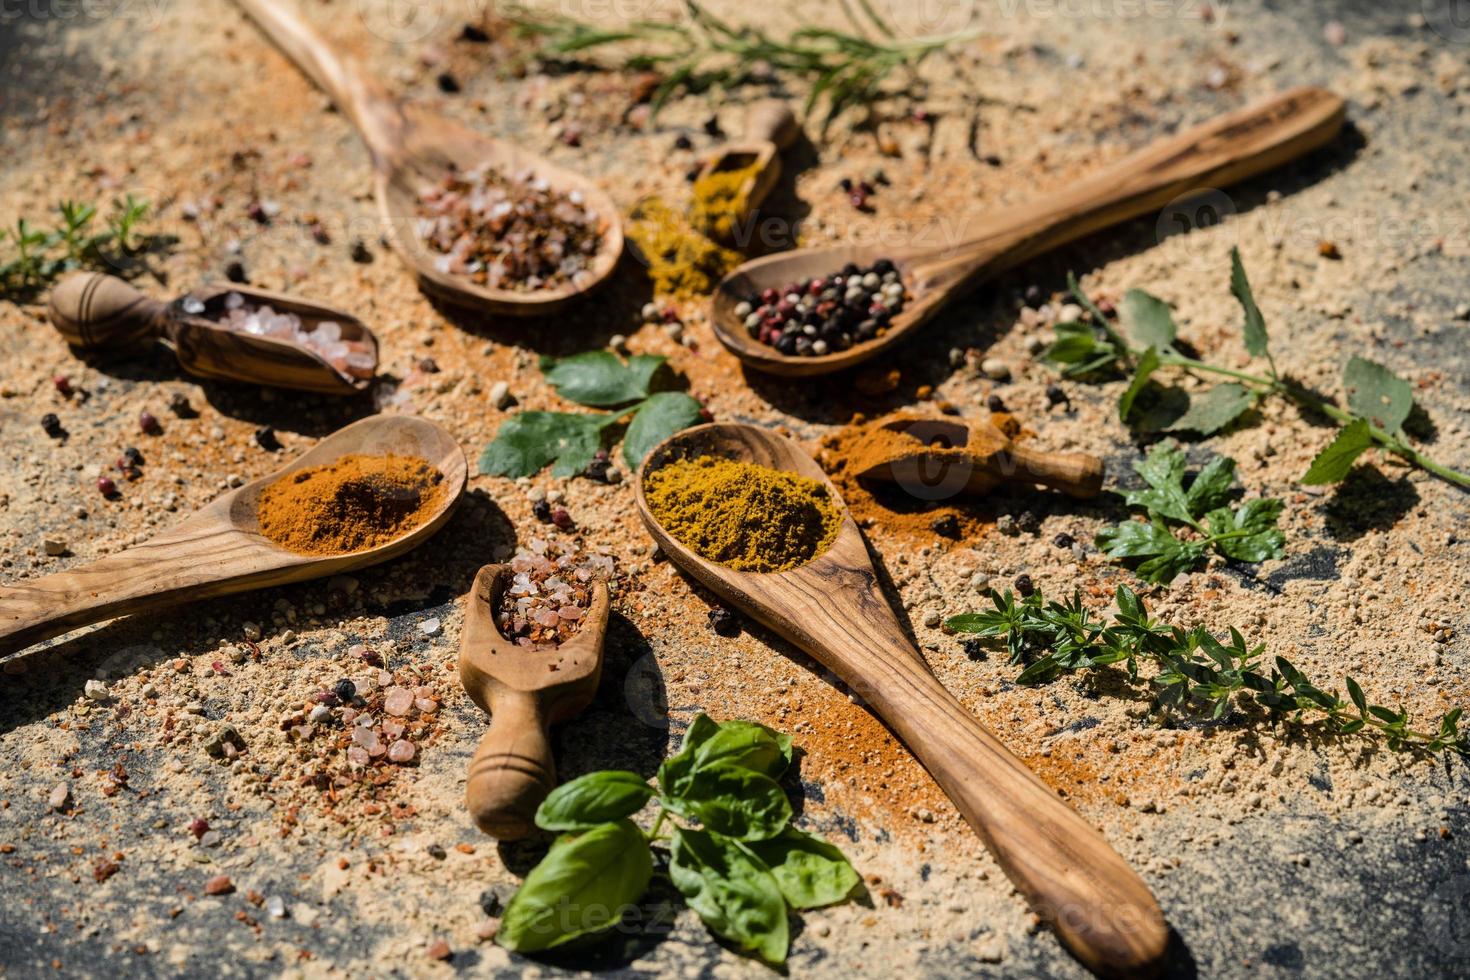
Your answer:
<point x="682" y="263"/>
<point x="747" y="517"/>
<point x="719" y="201"/>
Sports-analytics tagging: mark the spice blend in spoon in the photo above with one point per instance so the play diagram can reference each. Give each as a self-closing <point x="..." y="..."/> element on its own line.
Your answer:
<point x="355" y="503"/>
<point x="747" y="517"/>
<point x="826" y="314"/>
<point x="550" y="591"/>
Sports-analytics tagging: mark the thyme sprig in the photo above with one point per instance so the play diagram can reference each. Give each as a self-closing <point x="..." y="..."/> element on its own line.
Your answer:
<point x="37" y="255"/>
<point x="1196" y="673"/>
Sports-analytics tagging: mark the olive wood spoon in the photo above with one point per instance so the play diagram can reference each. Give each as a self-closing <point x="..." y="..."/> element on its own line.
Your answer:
<point x="1223" y="151"/>
<point x="834" y="609"/>
<point x="101" y="313"/>
<point x="412" y="149"/>
<point x="219" y="549"/>
<point x="976" y="457"/>
<point x="525" y="692"/>
<point x="770" y="128"/>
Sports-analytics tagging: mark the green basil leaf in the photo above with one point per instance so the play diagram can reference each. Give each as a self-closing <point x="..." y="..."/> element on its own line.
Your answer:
<point x="1147" y="365"/>
<point x="582" y="886"/>
<point x="658" y="418"/>
<point x="742" y="743"/>
<point x="1256" y="341"/>
<point x="600" y="379"/>
<point x="733" y="892"/>
<point x="1211" y="487"/>
<point x="1377" y="394"/>
<point x="1254" y="524"/>
<point x="1149" y="320"/>
<point x="1163" y="471"/>
<point x="1075" y="344"/>
<point x="596" y="798"/>
<point x="1334" y="463"/>
<point x="732" y="800"/>
<point x="1137" y="539"/>
<point x="810" y="872"/>
<point x="528" y="441"/>
<point x="1215" y="409"/>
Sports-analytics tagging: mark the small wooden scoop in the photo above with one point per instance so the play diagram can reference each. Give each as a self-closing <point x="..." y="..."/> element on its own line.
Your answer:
<point x="770" y="128"/>
<point x="525" y="692"/>
<point x="938" y="266"/>
<point x="930" y="453"/>
<point x="834" y="609"/>
<point x="95" y="312"/>
<point x="219" y="549"/>
<point x="412" y="149"/>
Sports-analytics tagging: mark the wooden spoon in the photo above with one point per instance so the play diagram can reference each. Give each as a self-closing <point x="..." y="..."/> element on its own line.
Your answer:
<point x="932" y="454"/>
<point x="770" y="128"/>
<point x="525" y="692"/>
<point x="1231" y="148"/>
<point x="834" y="609"/>
<point x="219" y="549"/>
<point x="95" y="312"/>
<point x="412" y="149"/>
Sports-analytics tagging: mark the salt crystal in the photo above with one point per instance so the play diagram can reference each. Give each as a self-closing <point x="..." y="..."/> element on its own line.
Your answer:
<point x="430" y="627"/>
<point x="358" y="756"/>
<point x="275" y="907"/>
<point x="399" y="701"/>
<point x="426" y="705"/>
<point x="401" y="751"/>
<point x="327" y="332"/>
<point x="193" y="305"/>
<point x="392" y="729"/>
<point x="365" y="737"/>
<point x="234" y="301"/>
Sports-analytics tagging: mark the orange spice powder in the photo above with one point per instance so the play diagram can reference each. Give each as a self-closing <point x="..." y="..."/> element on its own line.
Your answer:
<point x="355" y="503"/>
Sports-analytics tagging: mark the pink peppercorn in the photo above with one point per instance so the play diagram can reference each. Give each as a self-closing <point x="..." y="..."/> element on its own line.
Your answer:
<point x="147" y="423"/>
<point x="105" y="486"/>
<point x="561" y="518"/>
<point x="63" y="385"/>
<point x="198" y="827"/>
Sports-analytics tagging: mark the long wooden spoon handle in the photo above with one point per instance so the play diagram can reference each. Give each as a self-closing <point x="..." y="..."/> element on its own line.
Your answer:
<point x="92" y="310"/>
<point x="1078" y="475"/>
<point x="374" y="113"/>
<point x="772" y="121"/>
<point x="513" y="768"/>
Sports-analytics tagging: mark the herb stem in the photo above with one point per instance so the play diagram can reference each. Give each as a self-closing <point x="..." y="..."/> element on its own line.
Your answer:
<point x="658" y="824"/>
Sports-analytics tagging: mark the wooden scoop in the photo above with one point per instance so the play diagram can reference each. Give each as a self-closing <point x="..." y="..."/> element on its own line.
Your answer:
<point x="770" y="128"/>
<point x="219" y="549"/>
<point x="834" y="609"/>
<point x="412" y="149"/>
<point x="1231" y="148"/>
<point x="95" y="312"/>
<point x="525" y="692"/>
<point x="932" y="453"/>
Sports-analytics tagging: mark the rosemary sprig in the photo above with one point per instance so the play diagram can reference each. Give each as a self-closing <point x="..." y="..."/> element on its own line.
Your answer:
<point x="1196" y="673"/>
<point x="702" y="51"/>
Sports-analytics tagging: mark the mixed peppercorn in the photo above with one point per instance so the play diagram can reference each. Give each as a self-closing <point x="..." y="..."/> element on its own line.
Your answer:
<point x="826" y="314"/>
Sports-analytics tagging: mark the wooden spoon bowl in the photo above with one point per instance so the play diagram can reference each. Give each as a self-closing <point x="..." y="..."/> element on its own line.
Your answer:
<point x="1226" y="150"/>
<point x="219" y="549"/>
<point x="770" y="128"/>
<point x="412" y="149"/>
<point x="525" y="692"/>
<point x="834" y="609"/>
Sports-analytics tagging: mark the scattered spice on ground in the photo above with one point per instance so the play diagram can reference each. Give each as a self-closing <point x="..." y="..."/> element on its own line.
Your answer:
<point x="822" y="315"/>
<point x="719" y="200"/>
<point x="325" y="337"/>
<point x="508" y="233"/>
<point x="357" y="502"/>
<point x="747" y="517"/>
<point x="682" y="263"/>
<point x="550" y="591"/>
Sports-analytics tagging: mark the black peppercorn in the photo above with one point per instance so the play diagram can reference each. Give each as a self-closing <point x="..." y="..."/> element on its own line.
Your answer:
<point x="235" y="272"/>
<point x="265" y="437"/>
<point x="179" y="405"/>
<point x="1033" y="295"/>
<point x="359" y="252"/>
<point x="712" y="126"/>
<point x="1064" y="540"/>
<point x="946" y="526"/>
<point x="541" y="510"/>
<point x="1023" y="584"/>
<point x="683" y="142"/>
<point x="995" y="403"/>
<point x="51" y="425"/>
<point x="345" y="690"/>
<point x="448" y="84"/>
<point x="1056" y="396"/>
<point x="724" y="622"/>
<point x="133" y="457"/>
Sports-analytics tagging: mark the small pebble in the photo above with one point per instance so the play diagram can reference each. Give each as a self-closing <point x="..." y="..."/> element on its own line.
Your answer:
<point x="1024" y="584"/>
<point x="500" y="395"/>
<point x="275" y="907"/>
<point x="439" y="950"/>
<point x="60" y="798"/>
<point x="431" y="626"/>
<point x="995" y="369"/>
<point x="932" y="618"/>
<point x="401" y="751"/>
<point x="219" y="885"/>
<point x="995" y="403"/>
<point x="55" y="547"/>
<point x="724" y="622"/>
<point x="95" y="690"/>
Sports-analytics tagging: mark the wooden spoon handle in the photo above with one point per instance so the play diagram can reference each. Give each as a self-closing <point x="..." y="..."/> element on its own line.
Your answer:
<point x="513" y="768"/>
<point x="96" y="311"/>
<point x="371" y="109"/>
<point x="771" y="121"/>
<point x="1078" y="475"/>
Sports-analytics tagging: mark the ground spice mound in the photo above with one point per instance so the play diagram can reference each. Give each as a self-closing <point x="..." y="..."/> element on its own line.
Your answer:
<point x="743" y="516"/>
<point x="719" y="201"/>
<point x="357" y="502"/>
<point x="682" y="263"/>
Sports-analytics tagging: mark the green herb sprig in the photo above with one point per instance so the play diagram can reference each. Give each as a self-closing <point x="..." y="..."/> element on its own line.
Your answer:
<point x="33" y="256"/>
<point x="568" y="441"/>
<point x="701" y="51"/>
<point x="1245" y="533"/>
<point x="1196" y="673"/>
<point x="741" y="869"/>
<point x="1379" y="402"/>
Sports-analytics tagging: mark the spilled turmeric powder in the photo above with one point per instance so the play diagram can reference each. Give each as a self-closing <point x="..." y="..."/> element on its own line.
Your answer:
<point x="747" y="517"/>
<point x="719" y="201"/>
<point x="682" y="263"/>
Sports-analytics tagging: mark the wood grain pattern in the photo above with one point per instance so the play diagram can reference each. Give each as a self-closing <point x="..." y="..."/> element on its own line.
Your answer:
<point x="219" y="549"/>
<point x="525" y="693"/>
<point x="1224" y="151"/>
<point x="411" y="148"/>
<point x="770" y="127"/>
<point x="833" y="608"/>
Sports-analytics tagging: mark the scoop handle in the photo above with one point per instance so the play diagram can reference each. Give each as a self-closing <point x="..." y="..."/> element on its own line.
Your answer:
<point x="1078" y="475"/>
<point x="95" y="311"/>
<point x="513" y="769"/>
<point x="771" y="121"/>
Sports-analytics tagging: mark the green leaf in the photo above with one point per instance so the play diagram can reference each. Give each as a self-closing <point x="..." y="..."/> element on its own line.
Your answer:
<point x="596" y="798"/>
<point x="1336" y="461"/>
<point x="1253" y="530"/>
<point x="1356" y="693"/>
<point x="734" y="893"/>
<point x="1255" y="324"/>
<point x="583" y="885"/>
<point x="1149" y="320"/>
<point x="598" y="378"/>
<point x="1135" y="539"/>
<point x="528" y="441"/>
<point x="1377" y="394"/>
<point x="809" y="871"/>
<point x="1147" y="364"/>
<point x="658" y="418"/>
<point x="1163" y="470"/>
<point x="732" y="800"/>
<point x="1215" y="409"/>
<point x="742" y="743"/>
<point x="1211" y="487"/>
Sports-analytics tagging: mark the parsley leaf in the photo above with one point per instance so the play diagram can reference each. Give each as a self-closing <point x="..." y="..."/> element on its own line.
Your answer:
<point x="1336" y="461"/>
<point x="658" y="418"/>
<point x="1149" y="320"/>
<point x="1215" y="409"/>
<point x="1255" y="324"/>
<point x="599" y="379"/>
<point x="1377" y="394"/>
<point x="529" y="441"/>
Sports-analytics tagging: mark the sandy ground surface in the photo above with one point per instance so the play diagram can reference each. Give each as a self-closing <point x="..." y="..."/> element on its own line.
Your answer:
<point x="1273" y="853"/>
